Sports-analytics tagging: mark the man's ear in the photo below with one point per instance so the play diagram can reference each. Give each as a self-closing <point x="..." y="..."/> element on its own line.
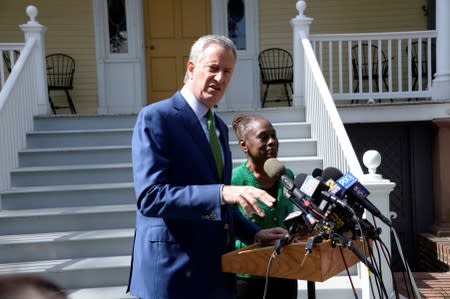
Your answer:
<point x="190" y="68"/>
<point x="243" y="145"/>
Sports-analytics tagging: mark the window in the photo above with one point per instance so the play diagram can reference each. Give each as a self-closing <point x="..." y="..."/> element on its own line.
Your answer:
<point x="236" y="23"/>
<point x="117" y="21"/>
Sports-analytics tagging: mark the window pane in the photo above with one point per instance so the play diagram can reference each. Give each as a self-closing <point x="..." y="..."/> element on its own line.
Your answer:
<point x="118" y="35"/>
<point x="236" y="23"/>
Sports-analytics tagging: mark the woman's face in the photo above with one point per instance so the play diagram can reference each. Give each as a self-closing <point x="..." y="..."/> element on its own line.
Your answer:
<point x="261" y="142"/>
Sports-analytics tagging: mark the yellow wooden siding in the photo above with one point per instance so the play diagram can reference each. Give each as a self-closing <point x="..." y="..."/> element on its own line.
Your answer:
<point x="338" y="16"/>
<point x="70" y="30"/>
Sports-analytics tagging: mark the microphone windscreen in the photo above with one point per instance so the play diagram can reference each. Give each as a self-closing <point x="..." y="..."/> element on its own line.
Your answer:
<point x="273" y="167"/>
<point x="331" y="173"/>
<point x="317" y="172"/>
<point x="300" y="179"/>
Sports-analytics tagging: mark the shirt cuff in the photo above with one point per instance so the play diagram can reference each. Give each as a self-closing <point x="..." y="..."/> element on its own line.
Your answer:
<point x="222" y="202"/>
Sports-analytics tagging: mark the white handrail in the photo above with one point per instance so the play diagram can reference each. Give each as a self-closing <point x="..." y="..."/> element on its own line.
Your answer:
<point x="24" y="95"/>
<point x="333" y="143"/>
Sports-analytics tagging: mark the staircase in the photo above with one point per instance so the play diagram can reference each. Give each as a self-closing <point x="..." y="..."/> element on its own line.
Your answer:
<point x="69" y="215"/>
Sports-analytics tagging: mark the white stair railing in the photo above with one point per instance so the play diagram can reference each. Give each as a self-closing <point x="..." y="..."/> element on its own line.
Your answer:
<point x="333" y="143"/>
<point x="24" y="95"/>
<point x="353" y="71"/>
<point x="8" y="59"/>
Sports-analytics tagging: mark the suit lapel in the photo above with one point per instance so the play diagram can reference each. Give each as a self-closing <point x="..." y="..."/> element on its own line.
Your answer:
<point x="189" y="121"/>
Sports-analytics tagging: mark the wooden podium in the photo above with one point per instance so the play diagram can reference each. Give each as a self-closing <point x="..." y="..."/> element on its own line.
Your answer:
<point x="324" y="261"/>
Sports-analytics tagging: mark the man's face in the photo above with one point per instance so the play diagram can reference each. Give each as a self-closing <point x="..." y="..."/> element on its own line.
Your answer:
<point x="209" y="78"/>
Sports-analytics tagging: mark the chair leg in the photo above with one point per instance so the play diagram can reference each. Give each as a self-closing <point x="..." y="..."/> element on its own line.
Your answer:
<point x="287" y="94"/>
<point x="265" y="95"/>
<point x="355" y="91"/>
<point x="70" y="102"/>
<point x="52" y="106"/>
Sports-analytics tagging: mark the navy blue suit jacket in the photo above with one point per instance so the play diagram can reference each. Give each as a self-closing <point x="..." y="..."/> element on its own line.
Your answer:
<point x="182" y="230"/>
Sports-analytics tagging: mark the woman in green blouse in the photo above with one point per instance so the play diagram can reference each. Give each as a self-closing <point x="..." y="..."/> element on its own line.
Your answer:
<point x="258" y="140"/>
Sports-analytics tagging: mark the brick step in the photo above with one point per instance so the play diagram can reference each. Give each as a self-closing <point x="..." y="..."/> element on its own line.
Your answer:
<point x="431" y="285"/>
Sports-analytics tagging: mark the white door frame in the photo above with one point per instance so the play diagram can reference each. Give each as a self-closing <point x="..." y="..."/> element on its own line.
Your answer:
<point x="243" y="91"/>
<point x="121" y="77"/>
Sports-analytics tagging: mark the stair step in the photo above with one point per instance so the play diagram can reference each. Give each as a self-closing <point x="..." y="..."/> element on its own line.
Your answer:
<point x="75" y="155"/>
<point x="285" y="130"/>
<point x="64" y="245"/>
<point x="287" y="148"/>
<point x="74" y="138"/>
<point x="14" y="222"/>
<point x="58" y="196"/>
<point x="83" y="122"/>
<point x="100" y="293"/>
<point x="77" y="273"/>
<point x="274" y="115"/>
<point x="72" y="174"/>
<point x="296" y="164"/>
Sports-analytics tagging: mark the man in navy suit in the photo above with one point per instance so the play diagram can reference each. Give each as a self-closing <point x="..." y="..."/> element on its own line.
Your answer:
<point x="186" y="219"/>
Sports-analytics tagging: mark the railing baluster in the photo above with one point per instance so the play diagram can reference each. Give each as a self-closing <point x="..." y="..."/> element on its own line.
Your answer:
<point x="350" y="67"/>
<point x="360" y="87"/>
<point x="419" y="64"/>
<point x="429" y="64"/>
<point x="399" y="65"/>
<point x="409" y="66"/>
<point x="330" y="64"/>
<point x="340" y="70"/>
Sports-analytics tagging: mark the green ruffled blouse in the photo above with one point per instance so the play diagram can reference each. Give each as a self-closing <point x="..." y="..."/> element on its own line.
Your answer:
<point x="275" y="215"/>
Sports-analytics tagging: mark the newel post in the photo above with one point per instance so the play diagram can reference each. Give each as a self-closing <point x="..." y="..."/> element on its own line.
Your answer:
<point x="33" y="30"/>
<point x="300" y="26"/>
<point x="380" y="189"/>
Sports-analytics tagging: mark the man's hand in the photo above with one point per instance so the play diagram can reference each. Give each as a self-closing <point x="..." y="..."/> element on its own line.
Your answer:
<point x="247" y="197"/>
<point x="270" y="235"/>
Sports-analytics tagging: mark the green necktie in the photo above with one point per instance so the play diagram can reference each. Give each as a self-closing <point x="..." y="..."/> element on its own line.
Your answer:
<point x="215" y="145"/>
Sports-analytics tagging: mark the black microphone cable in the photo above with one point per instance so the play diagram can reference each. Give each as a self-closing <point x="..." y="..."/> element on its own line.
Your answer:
<point x="355" y="294"/>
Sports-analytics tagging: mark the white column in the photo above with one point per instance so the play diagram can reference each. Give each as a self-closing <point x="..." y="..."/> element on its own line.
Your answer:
<point x="300" y="26"/>
<point x="441" y="83"/>
<point x="379" y="195"/>
<point x="36" y="31"/>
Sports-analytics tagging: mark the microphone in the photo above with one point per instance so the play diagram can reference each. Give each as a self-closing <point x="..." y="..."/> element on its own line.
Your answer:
<point x="275" y="169"/>
<point x="354" y="191"/>
<point x="317" y="172"/>
<point x="328" y="205"/>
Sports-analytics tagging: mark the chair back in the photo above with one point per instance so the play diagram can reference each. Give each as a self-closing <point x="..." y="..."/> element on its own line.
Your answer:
<point x="7" y="56"/>
<point x="365" y="61"/>
<point x="276" y="66"/>
<point x="415" y="59"/>
<point x="60" y="70"/>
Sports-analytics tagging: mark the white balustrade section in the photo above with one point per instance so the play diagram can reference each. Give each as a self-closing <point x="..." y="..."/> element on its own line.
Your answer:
<point x="24" y="95"/>
<point x="7" y="54"/>
<point x="404" y="57"/>
<point x="333" y="144"/>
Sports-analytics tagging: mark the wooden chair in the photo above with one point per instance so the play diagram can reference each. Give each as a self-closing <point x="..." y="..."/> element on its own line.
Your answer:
<point x="415" y="61"/>
<point x="276" y="68"/>
<point x="365" y="65"/>
<point x="60" y="71"/>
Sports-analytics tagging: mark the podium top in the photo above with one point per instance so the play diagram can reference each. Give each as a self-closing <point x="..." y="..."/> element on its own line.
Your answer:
<point x="324" y="262"/>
